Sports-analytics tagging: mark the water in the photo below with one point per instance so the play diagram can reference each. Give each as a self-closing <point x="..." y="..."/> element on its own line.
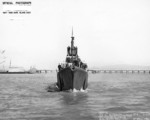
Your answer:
<point x="23" y="97"/>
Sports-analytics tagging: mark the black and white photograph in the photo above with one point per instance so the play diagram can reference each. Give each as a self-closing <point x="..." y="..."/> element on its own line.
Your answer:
<point x="74" y="59"/>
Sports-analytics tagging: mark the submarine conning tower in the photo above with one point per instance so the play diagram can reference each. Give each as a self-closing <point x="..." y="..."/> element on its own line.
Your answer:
<point x="72" y="52"/>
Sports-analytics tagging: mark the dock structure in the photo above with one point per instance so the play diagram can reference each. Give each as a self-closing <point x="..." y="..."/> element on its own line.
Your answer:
<point x="44" y="71"/>
<point x="119" y="71"/>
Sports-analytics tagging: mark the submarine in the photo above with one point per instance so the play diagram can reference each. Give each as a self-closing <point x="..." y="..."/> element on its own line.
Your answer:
<point x="71" y="75"/>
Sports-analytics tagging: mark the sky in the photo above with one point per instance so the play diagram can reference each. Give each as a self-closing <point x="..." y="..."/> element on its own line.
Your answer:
<point x="107" y="32"/>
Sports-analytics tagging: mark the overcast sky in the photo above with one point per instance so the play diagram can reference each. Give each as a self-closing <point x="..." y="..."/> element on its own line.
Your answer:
<point x="107" y="32"/>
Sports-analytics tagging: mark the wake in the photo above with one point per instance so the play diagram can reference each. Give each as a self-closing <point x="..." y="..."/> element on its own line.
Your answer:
<point x="53" y="88"/>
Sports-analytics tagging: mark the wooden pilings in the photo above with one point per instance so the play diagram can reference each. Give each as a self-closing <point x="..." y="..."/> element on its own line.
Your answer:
<point x="119" y="71"/>
<point x="44" y="71"/>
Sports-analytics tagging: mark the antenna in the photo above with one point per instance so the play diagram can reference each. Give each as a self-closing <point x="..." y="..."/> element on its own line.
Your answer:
<point x="72" y="35"/>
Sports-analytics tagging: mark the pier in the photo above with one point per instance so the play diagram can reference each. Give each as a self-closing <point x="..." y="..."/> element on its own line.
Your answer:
<point x="119" y="71"/>
<point x="44" y="71"/>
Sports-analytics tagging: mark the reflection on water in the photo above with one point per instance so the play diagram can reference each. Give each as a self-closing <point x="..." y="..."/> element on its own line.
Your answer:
<point x="25" y="97"/>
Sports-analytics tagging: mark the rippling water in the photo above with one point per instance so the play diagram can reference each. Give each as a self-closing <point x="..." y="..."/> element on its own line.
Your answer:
<point x="24" y="97"/>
